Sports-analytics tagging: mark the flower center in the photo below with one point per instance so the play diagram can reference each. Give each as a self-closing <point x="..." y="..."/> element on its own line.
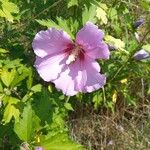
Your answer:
<point x="76" y="52"/>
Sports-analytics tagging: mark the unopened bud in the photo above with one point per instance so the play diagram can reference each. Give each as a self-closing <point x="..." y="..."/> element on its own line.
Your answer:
<point x="138" y="23"/>
<point x="39" y="148"/>
<point x="141" y="54"/>
<point x="24" y="146"/>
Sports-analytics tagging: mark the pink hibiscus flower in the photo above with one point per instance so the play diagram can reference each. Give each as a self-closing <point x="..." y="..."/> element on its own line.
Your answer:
<point x="71" y="66"/>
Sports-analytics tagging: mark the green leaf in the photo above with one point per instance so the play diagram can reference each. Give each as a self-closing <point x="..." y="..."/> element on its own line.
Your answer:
<point x="18" y="79"/>
<point x="97" y="100"/>
<point x="89" y="14"/>
<point x="60" y="142"/>
<point x="1" y="87"/>
<point x="72" y="3"/>
<point x="13" y="63"/>
<point x="101" y="13"/>
<point x="48" y="23"/>
<point x="74" y="25"/>
<point x="117" y="43"/>
<point x="145" y="5"/>
<point x="94" y="2"/>
<point x="146" y="47"/>
<point x="64" y="25"/>
<point x="7" y="77"/>
<point x="8" y="8"/>
<point x="43" y="106"/>
<point x="21" y="74"/>
<point x="28" y="124"/>
<point x="113" y="14"/>
<point x="11" y="111"/>
<point x="68" y="106"/>
<point x="37" y="88"/>
<point x="3" y="51"/>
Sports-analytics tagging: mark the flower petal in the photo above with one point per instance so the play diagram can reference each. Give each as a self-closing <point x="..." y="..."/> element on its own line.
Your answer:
<point x="80" y="76"/>
<point x="86" y="75"/>
<point x="94" y="80"/>
<point x="96" y="83"/>
<point x="100" y="52"/>
<point x="89" y="36"/>
<point x="50" y="67"/>
<point x="50" y="42"/>
<point x="66" y="83"/>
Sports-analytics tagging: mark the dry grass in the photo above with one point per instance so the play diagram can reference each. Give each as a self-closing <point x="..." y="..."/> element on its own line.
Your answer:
<point x="127" y="129"/>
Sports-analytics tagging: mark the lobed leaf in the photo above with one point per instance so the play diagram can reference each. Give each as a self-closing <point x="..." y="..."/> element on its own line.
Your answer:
<point x="28" y="124"/>
<point x="11" y="110"/>
<point x="7" y="10"/>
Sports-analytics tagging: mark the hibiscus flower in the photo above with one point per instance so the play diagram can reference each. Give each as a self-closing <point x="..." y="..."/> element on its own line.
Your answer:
<point x="71" y="66"/>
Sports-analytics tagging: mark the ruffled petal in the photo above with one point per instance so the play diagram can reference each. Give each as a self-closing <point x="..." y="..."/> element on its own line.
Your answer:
<point x="100" y="52"/>
<point x="66" y="83"/>
<point x="95" y="83"/>
<point x="50" y="42"/>
<point x="80" y="76"/>
<point x="87" y="78"/>
<point x="90" y="39"/>
<point x="89" y="36"/>
<point x="50" y="67"/>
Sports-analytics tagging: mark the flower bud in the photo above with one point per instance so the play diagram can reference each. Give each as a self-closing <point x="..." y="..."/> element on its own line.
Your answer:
<point x="24" y="146"/>
<point x="137" y="37"/>
<point x="39" y="148"/>
<point x="138" y="23"/>
<point x="141" y="54"/>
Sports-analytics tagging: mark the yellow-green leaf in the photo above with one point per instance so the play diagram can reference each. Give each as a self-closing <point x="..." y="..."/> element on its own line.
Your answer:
<point x="146" y="47"/>
<point x="11" y="111"/>
<point x="68" y="106"/>
<point x="72" y="3"/>
<point x="27" y="125"/>
<point x="101" y="13"/>
<point x="3" y="50"/>
<point x="117" y="43"/>
<point x="8" y="8"/>
<point x="114" y="96"/>
<point x="7" y="77"/>
<point x="60" y="142"/>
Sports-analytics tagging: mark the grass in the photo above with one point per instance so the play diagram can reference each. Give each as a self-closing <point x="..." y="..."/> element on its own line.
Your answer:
<point x="126" y="129"/>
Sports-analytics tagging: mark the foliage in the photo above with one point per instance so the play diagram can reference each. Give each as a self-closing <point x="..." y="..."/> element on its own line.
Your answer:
<point x="33" y="111"/>
<point x="8" y="9"/>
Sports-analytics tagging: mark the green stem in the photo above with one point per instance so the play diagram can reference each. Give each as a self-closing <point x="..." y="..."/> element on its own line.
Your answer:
<point x="104" y="96"/>
<point x="131" y="55"/>
<point x="67" y="99"/>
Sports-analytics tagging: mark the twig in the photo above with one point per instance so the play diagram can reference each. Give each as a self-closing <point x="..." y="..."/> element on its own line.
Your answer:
<point x="142" y="90"/>
<point x="43" y="11"/>
<point x="51" y="6"/>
